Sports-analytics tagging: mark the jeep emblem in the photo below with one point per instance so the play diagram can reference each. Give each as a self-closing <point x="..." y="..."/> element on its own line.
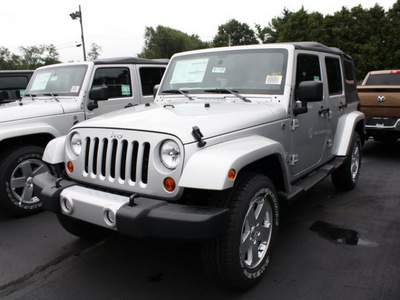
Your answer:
<point x="381" y="99"/>
<point x="116" y="135"/>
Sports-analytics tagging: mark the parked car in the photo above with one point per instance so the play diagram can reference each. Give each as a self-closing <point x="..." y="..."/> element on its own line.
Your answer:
<point x="13" y="84"/>
<point x="380" y="102"/>
<point x="57" y="97"/>
<point x="233" y="132"/>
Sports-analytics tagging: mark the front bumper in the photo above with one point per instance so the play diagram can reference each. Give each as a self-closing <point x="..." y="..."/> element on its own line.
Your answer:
<point x="138" y="217"/>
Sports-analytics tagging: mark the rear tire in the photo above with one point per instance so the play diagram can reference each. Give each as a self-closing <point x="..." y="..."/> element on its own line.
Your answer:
<point x="240" y="256"/>
<point x="346" y="176"/>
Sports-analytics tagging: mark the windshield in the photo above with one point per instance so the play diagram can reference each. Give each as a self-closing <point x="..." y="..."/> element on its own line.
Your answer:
<point x="243" y="71"/>
<point x="60" y="80"/>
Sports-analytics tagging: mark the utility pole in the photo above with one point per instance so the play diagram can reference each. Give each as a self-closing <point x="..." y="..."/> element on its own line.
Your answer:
<point x="78" y="15"/>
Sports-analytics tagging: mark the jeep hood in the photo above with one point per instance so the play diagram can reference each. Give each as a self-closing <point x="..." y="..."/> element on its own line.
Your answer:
<point x="17" y="110"/>
<point x="179" y="119"/>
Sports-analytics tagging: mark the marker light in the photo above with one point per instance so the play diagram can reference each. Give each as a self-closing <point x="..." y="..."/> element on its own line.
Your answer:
<point x="169" y="184"/>
<point x="231" y="174"/>
<point x="70" y="167"/>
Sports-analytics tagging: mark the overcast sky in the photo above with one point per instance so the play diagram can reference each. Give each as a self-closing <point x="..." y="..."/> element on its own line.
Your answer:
<point x="118" y="26"/>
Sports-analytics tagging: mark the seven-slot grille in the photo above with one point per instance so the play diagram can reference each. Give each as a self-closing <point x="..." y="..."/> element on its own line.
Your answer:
<point x="117" y="159"/>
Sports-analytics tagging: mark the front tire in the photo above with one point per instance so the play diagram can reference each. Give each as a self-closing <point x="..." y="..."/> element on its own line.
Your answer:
<point x="17" y="168"/>
<point x="346" y="176"/>
<point x="239" y="258"/>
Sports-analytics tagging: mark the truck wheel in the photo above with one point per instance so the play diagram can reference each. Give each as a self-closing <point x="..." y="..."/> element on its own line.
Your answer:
<point x="240" y="256"/>
<point x="82" y="229"/>
<point x="346" y="176"/>
<point x="17" y="168"/>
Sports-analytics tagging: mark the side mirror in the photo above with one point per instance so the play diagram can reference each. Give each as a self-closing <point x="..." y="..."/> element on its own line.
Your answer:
<point x="310" y="91"/>
<point x="99" y="93"/>
<point x="155" y="90"/>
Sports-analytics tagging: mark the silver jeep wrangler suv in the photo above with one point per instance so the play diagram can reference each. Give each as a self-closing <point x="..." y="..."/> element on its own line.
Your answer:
<point x="232" y="133"/>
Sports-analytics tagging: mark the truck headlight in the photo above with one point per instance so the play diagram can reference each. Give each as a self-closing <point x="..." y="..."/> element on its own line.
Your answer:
<point x="76" y="143"/>
<point x="170" y="154"/>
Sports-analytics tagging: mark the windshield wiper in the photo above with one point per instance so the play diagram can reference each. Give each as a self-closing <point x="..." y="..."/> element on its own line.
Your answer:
<point x="52" y="95"/>
<point x="184" y="93"/>
<point x="224" y="91"/>
<point x="31" y="95"/>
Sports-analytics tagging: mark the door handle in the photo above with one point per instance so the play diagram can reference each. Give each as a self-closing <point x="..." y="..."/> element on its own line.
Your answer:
<point x="323" y="111"/>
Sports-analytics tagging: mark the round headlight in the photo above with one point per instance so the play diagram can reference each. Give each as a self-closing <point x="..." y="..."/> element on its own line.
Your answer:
<point x="170" y="154"/>
<point x="76" y="143"/>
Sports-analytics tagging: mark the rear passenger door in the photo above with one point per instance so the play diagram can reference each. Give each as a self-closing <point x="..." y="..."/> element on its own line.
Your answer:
<point x="334" y="93"/>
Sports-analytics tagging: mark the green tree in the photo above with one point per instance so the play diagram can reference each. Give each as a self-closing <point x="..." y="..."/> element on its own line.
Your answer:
<point x="36" y="56"/>
<point x="163" y="42"/>
<point x="271" y="33"/>
<point x="94" y="52"/>
<point x="234" y="33"/>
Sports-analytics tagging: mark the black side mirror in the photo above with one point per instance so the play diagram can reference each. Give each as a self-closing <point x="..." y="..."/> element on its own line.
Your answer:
<point x="310" y="91"/>
<point x="99" y="93"/>
<point x="155" y="90"/>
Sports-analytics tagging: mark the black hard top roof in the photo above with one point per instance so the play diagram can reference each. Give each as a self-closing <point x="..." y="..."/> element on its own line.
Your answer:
<point x="314" y="46"/>
<point x="15" y="72"/>
<point x="130" y="60"/>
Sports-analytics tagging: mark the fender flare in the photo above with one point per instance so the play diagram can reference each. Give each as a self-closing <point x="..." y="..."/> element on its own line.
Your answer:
<point x="208" y="168"/>
<point x="11" y="131"/>
<point x="54" y="151"/>
<point x="344" y="132"/>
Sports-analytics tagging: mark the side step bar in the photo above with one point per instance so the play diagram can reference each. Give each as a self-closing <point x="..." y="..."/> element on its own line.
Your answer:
<point x="308" y="182"/>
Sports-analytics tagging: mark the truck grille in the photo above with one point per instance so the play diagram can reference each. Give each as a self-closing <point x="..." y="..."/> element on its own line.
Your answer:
<point x="123" y="160"/>
<point x="117" y="159"/>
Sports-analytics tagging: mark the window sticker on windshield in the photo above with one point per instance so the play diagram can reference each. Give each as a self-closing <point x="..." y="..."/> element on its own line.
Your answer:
<point x="218" y="70"/>
<point x="75" y="88"/>
<point x="125" y="90"/>
<point x="40" y="81"/>
<point x="274" y="79"/>
<point x="316" y="78"/>
<point x="189" y="71"/>
<point x="22" y="93"/>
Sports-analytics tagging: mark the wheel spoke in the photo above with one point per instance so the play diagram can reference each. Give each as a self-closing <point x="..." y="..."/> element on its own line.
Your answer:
<point x="41" y="169"/>
<point x="262" y="210"/>
<point x="18" y="182"/>
<point x="26" y="169"/>
<point x="265" y="232"/>
<point x="247" y="243"/>
<point x="27" y="194"/>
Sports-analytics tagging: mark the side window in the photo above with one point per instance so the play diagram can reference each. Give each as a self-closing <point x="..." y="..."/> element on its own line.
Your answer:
<point x="334" y="75"/>
<point x="308" y="68"/>
<point x="118" y="81"/>
<point x="149" y="77"/>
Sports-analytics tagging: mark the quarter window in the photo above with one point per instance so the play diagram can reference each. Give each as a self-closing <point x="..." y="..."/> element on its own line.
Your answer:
<point x="118" y="81"/>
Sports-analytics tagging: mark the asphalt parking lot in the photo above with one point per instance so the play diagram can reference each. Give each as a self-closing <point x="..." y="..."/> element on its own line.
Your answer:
<point x="332" y="245"/>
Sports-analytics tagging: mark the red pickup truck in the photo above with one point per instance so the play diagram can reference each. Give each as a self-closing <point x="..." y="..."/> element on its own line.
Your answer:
<point x="380" y="102"/>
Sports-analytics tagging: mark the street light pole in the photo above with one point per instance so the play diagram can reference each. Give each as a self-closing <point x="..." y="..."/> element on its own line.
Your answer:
<point x="74" y="16"/>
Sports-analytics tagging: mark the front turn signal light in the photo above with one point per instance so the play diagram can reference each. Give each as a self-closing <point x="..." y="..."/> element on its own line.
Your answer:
<point x="169" y="184"/>
<point x="70" y="167"/>
<point x="231" y="174"/>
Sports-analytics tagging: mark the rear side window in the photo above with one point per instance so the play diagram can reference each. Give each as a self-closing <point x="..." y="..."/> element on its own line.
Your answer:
<point x="149" y="77"/>
<point x="334" y="75"/>
<point x="384" y="79"/>
<point x="118" y="81"/>
<point x="350" y="82"/>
